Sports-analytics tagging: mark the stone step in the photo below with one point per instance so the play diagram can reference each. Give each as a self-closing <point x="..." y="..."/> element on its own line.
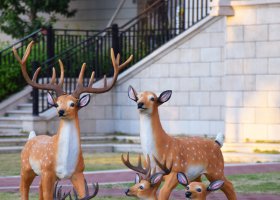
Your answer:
<point x="10" y="120"/>
<point x="87" y="148"/>
<point x="250" y="157"/>
<point x="123" y="148"/>
<point x="249" y="147"/>
<point x="25" y="106"/>
<point x="10" y="128"/>
<point x="86" y="140"/>
<point x="19" y="113"/>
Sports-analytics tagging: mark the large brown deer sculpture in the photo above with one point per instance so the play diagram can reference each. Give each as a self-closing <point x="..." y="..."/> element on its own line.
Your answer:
<point x="59" y="156"/>
<point x="193" y="155"/>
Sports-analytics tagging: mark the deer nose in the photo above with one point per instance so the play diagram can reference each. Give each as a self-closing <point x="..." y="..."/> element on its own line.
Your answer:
<point x="126" y="192"/>
<point x="188" y="194"/>
<point x="61" y="113"/>
<point x="140" y="105"/>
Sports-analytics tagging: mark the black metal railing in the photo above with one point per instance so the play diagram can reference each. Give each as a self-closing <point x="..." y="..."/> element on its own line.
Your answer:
<point x="158" y="24"/>
<point x="49" y="42"/>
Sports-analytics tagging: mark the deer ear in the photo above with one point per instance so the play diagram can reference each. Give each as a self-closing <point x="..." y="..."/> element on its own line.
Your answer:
<point x="132" y="94"/>
<point x="137" y="178"/>
<point x="84" y="101"/>
<point x="164" y="96"/>
<point x="182" y="179"/>
<point x="156" y="178"/>
<point x="215" y="185"/>
<point x="50" y="99"/>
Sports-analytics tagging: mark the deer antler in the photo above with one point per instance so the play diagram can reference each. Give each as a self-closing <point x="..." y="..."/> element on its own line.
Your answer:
<point x="50" y="86"/>
<point x="163" y="167"/>
<point x="87" y="197"/>
<point x="89" y="89"/>
<point x="139" y="167"/>
<point x="57" y="195"/>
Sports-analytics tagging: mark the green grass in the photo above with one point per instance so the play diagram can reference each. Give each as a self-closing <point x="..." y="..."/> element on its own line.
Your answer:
<point x="273" y="151"/>
<point x="257" y="183"/>
<point x="16" y="196"/>
<point x="10" y="163"/>
<point x="244" y="183"/>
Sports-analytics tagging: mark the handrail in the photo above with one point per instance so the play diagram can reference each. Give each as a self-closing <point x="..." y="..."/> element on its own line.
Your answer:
<point x="21" y="40"/>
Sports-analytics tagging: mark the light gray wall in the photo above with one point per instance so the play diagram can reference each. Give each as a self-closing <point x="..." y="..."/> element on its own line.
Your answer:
<point x="225" y="77"/>
<point x="95" y="14"/>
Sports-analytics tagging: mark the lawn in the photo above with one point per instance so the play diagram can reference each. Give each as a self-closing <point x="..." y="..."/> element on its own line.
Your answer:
<point x="10" y="163"/>
<point x="245" y="183"/>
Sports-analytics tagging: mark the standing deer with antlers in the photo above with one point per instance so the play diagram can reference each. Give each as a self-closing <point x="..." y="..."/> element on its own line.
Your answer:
<point x="193" y="155"/>
<point x="146" y="186"/>
<point x="198" y="190"/>
<point x="59" y="156"/>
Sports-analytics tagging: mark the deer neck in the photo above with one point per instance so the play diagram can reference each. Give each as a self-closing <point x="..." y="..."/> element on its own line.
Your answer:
<point x="152" y="134"/>
<point x="68" y="147"/>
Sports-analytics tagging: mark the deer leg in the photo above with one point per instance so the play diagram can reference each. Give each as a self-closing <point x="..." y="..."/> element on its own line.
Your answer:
<point x="26" y="179"/>
<point x="47" y="180"/>
<point x="40" y="191"/>
<point x="227" y="189"/>
<point x="170" y="183"/>
<point x="79" y="185"/>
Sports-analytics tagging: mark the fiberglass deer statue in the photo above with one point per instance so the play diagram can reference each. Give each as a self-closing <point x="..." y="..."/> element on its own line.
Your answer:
<point x="198" y="190"/>
<point x="146" y="186"/>
<point x="59" y="156"/>
<point x="193" y="155"/>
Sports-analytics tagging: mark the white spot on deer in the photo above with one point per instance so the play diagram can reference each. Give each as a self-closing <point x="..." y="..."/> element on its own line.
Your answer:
<point x="35" y="165"/>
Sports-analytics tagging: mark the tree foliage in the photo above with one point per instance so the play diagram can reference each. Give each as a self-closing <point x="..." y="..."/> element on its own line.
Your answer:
<point x="21" y="17"/>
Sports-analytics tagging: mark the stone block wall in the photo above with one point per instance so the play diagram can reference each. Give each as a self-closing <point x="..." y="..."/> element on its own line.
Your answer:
<point x="252" y="82"/>
<point x="224" y="76"/>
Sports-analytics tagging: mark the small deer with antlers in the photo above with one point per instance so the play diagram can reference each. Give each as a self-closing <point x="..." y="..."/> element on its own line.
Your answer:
<point x="146" y="186"/>
<point x="193" y="155"/>
<point x="59" y="156"/>
<point x="198" y="190"/>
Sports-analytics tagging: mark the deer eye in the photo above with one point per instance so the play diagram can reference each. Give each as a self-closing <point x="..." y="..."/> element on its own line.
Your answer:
<point x="55" y="105"/>
<point x="72" y="104"/>
<point x="198" y="189"/>
<point x="141" y="187"/>
<point x="152" y="99"/>
<point x="187" y="188"/>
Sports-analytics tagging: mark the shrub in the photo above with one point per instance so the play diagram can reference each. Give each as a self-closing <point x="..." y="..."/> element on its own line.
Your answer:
<point x="11" y="80"/>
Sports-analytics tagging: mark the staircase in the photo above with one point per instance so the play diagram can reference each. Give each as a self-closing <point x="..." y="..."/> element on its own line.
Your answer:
<point x="154" y="27"/>
<point x="11" y="121"/>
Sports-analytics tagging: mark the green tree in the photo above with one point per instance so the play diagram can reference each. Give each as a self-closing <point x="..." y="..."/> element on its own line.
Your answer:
<point x="20" y="17"/>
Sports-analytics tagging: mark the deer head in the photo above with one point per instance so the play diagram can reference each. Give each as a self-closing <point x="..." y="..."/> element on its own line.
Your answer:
<point x="68" y="105"/>
<point x="146" y="186"/>
<point x="198" y="190"/>
<point x="147" y="102"/>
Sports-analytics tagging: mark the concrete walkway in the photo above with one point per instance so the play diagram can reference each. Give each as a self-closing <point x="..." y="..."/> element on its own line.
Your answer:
<point x="10" y="184"/>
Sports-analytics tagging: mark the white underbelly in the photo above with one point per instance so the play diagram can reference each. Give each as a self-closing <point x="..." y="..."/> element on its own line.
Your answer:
<point x="194" y="171"/>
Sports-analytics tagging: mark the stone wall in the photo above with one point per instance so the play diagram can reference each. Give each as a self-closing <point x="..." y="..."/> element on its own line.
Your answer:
<point x="95" y="14"/>
<point x="252" y="68"/>
<point x="224" y="75"/>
